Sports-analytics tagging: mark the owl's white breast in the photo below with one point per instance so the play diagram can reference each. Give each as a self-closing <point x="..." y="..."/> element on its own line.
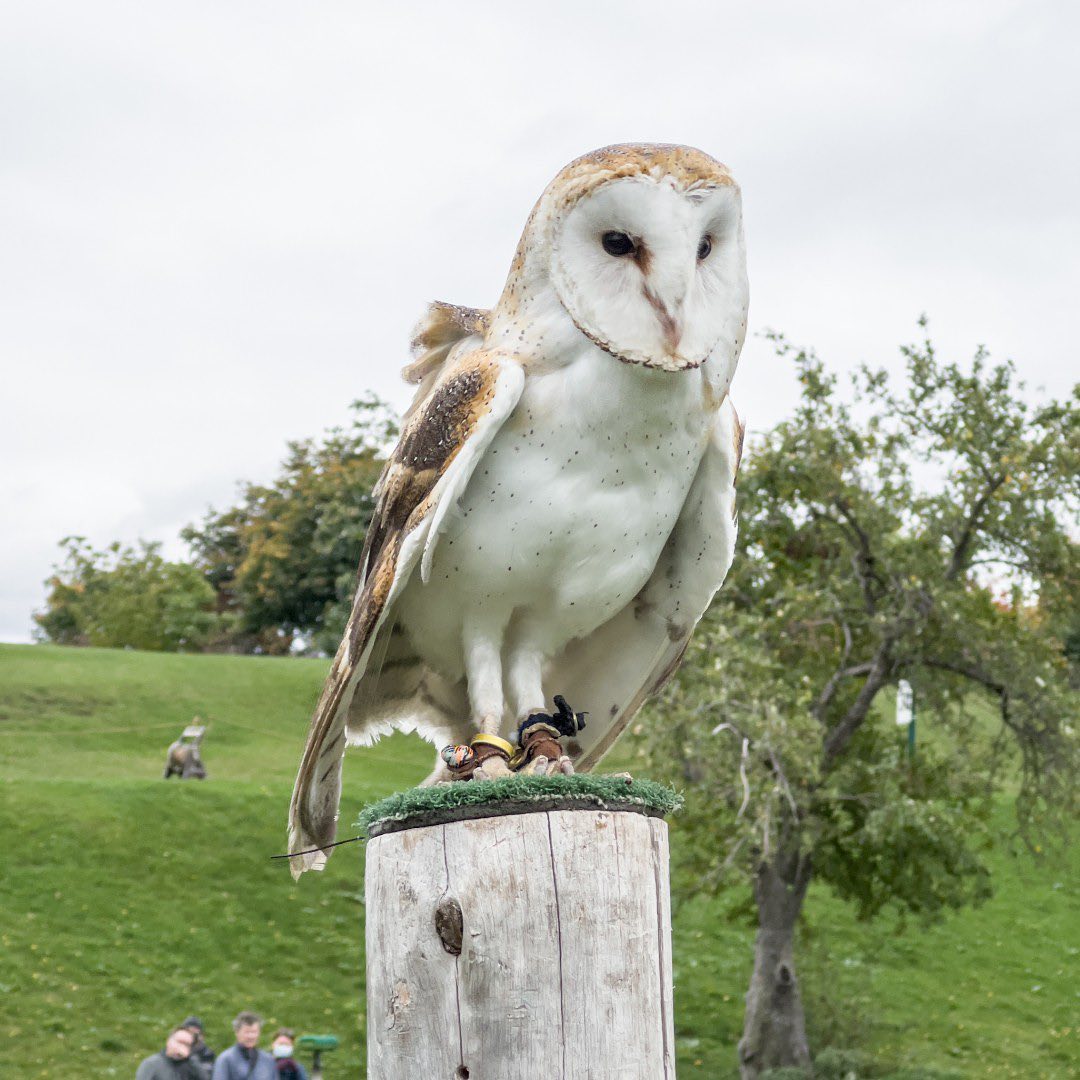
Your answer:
<point x="566" y="514"/>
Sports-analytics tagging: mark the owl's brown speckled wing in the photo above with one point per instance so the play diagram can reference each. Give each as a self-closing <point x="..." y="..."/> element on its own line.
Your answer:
<point x="443" y="438"/>
<point x="443" y="327"/>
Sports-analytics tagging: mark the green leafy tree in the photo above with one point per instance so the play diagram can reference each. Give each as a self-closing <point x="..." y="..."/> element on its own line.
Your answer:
<point x="912" y="534"/>
<point x="126" y="597"/>
<point x="283" y="561"/>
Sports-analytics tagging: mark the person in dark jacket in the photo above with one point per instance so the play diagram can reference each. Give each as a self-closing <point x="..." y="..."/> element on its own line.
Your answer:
<point x="202" y="1057"/>
<point x="288" y="1068"/>
<point x="245" y="1061"/>
<point x="171" y="1063"/>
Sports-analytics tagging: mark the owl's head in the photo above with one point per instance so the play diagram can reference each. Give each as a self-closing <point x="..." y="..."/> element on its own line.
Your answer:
<point x="642" y="246"/>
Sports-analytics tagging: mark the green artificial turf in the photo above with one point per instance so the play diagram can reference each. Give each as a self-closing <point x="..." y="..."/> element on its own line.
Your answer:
<point x="520" y="791"/>
<point x="128" y="902"/>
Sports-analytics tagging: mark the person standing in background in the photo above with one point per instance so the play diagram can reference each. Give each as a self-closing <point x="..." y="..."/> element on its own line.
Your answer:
<point x="202" y="1057"/>
<point x="288" y="1068"/>
<point x="171" y="1063"/>
<point x="245" y="1061"/>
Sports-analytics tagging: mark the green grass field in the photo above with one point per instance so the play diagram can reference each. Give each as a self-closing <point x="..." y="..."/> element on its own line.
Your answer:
<point x="127" y="902"/>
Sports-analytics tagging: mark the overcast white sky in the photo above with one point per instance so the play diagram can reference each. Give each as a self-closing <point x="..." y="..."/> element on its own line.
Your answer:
<point x="219" y="221"/>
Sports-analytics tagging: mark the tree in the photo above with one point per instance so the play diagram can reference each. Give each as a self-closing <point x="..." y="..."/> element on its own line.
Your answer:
<point x="126" y="597"/>
<point x="913" y="534"/>
<point x="283" y="561"/>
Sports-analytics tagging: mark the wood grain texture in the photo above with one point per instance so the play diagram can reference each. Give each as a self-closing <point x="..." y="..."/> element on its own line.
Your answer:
<point x="565" y="964"/>
<point x="411" y="1001"/>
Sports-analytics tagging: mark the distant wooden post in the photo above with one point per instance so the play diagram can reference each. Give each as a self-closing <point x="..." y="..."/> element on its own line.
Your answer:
<point x="534" y="946"/>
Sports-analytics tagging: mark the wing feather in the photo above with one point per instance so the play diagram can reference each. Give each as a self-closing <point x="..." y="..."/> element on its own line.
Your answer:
<point x="436" y="337"/>
<point x="428" y="470"/>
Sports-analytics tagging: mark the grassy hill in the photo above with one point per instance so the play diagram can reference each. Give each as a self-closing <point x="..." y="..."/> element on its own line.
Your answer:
<point x="127" y="902"/>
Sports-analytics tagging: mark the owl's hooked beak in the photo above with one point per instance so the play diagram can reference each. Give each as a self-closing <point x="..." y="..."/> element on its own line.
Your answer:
<point x="669" y="324"/>
<point x="669" y="314"/>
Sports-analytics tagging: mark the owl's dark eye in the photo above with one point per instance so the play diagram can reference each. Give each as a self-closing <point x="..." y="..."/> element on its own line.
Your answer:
<point x="704" y="247"/>
<point x="618" y="243"/>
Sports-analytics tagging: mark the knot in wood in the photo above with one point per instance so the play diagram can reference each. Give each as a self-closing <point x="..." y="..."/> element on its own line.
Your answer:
<point x="450" y="926"/>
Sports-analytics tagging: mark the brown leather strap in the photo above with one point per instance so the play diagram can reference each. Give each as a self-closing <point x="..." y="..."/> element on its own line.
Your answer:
<point x="463" y="761"/>
<point x="485" y="751"/>
<point x="540" y="740"/>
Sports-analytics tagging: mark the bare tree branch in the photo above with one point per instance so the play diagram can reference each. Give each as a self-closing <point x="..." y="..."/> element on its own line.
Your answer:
<point x="864" y="561"/>
<point x="969" y="671"/>
<point x="785" y="787"/>
<point x="878" y="675"/>
<point x="976" y="674"/>
<point x="849" y="516"/>
<point x="967" y="533"/>
<point x="830" y="688"/>
<point x="743" y="759"/>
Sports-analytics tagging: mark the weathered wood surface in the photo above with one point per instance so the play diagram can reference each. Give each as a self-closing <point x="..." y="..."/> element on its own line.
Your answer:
<point x="564" y="971"/>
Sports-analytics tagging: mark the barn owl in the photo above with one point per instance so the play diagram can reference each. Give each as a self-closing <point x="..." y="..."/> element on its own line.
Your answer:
<point x="558" y="511"/>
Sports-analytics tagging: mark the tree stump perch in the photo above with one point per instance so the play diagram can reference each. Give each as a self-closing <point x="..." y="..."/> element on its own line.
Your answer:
<point x="517" y="947"/>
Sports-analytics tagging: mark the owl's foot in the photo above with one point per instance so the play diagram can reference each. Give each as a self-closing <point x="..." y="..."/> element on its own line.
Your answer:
<point x="539" y="751"/>
<point x="486" y="758"/>
<point x="494" y="768"/>
<point x="542" y="765"/>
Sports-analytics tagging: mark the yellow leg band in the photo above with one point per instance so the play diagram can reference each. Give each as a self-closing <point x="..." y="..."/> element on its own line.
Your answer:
<point x="495" y="741"/>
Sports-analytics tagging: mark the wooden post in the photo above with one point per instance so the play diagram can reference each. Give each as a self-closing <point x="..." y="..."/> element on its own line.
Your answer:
<point x="534" y="946"/>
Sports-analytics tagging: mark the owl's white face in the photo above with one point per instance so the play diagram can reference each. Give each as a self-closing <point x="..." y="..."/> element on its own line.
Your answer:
<point x="654" y="274"/>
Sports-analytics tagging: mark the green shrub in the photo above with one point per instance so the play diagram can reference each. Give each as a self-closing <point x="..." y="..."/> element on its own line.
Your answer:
<point x="836" y="1064"/>
<point x="919" y="1073"/>
<point x="127" y="597"/>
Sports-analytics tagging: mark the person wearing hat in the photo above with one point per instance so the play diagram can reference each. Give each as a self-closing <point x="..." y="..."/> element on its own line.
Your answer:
<point x="202" y="1057"/>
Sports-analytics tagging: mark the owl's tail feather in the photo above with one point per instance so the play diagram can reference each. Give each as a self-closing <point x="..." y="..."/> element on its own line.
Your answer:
<point x="313" y="811"/>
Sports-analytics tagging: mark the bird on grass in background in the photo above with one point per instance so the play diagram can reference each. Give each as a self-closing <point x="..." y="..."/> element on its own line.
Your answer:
<point x="559" y="509"/>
